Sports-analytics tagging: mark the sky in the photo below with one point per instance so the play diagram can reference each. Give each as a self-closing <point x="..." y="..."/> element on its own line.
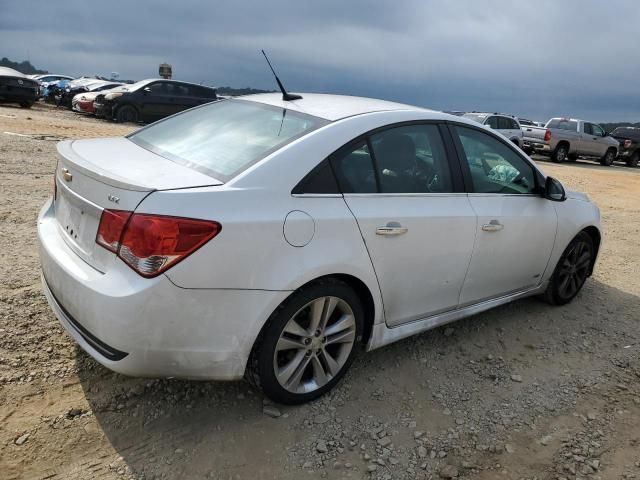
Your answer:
<point x="535" y="59"/>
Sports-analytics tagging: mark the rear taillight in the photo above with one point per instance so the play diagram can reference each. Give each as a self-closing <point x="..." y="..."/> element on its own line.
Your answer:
<point x="547" y="135"/>
<point x="627" y="143"/>
<point x="151" y="244"/>
<point x="112" y="223"/>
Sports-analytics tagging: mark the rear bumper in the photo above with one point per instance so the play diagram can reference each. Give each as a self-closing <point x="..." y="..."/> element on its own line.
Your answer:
<point x="533" y="144"/>
<point x="10" y="93"/>
<point x="149" y="327"/>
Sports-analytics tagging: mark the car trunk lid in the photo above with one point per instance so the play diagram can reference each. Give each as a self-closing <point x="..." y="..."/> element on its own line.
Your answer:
<point x="110" y="173"/>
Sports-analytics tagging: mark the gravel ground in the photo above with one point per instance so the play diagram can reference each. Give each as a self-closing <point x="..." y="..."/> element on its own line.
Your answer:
<point x="526" y="391"/>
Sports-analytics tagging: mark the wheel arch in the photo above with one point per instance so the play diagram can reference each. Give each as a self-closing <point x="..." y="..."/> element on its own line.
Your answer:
<point x="122" y="105"/>
<point x="596" y="238"/>
<point x="359" y="287"/>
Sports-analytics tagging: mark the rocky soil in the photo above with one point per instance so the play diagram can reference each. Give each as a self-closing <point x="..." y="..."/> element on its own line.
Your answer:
<point x="526" y="391"/>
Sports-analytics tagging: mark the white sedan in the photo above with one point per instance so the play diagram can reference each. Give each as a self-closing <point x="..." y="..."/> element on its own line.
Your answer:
<point x="271" y="239"/>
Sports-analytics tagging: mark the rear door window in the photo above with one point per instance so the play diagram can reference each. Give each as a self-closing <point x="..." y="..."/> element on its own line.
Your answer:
<point x="411" y="159"/>
<point x="403" y="159"/>
<point x="354" y="169"/>
<point x="504" y="123"/>
<point x="492" y="122"/>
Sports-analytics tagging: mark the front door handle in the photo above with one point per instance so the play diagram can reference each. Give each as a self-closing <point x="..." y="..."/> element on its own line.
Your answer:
<point x="392" y="228"/>
<point x="492" y="226"/>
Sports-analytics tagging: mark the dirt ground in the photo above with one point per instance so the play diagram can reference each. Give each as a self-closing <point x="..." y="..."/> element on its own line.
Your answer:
<point x="526" y="391"/>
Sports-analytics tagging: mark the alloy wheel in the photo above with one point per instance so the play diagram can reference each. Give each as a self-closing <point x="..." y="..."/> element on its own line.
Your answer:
<point x="314" y="345"/>
<point x="574" y="269"/>
<point x="561" y="155"/>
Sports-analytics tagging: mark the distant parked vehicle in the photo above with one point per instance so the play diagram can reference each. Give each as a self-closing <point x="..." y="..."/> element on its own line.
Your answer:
<point x="505" y="124"/>
<point x="83" y="102"/>
<point x="532" y="136"/>
<point x="567" y="138"/>
<point x="49" y="77"/>
<point x="16" y="87"/>
<point x="150" y="100"/>
<point x="67" y="95"/>
<point x="629" y="138"/>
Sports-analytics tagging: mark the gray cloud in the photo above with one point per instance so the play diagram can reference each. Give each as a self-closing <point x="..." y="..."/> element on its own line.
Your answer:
<point x="535" y="59"/>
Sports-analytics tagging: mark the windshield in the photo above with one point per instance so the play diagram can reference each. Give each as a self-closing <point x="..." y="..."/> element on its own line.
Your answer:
<point x="224" y="138"/>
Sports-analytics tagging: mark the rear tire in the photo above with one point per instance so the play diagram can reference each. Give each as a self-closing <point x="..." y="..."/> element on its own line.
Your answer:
<point x="308" y="343"/>
<point x="634" y="160"/>
<point x="127" y="114"/>
<point x="608" y="158"/>
<point x="572" y="270"/>
<point x="560" y="153"/>
<point x="26" y="104"/>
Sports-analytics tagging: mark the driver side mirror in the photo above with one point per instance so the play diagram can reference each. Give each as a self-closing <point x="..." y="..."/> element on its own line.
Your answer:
<point x="553" y="190"/>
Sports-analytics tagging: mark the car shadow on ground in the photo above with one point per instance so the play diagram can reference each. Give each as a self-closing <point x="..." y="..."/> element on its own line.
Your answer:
<point x="180" y="429"/>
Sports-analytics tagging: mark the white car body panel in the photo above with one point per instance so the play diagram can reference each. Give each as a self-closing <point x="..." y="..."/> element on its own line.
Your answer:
<point x="440" y="234"/>
<point x="200" y="318"/>
<point x="500" y="265"/>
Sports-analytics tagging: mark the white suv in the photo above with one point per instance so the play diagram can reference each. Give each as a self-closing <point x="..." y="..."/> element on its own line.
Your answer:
<point x="505" y="124"/>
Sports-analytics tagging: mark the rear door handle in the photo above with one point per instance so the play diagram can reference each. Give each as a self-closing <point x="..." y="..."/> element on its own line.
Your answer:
<point x="492" y="226"/>
<point x="392" y="228"/>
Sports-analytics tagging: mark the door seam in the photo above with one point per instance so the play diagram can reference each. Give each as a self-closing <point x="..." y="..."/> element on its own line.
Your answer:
<point x="473" y="250"/>
<point x="366" y="247"/>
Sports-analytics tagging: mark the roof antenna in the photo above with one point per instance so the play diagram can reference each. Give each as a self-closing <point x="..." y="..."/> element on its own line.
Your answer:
<point x="285" y="96"/>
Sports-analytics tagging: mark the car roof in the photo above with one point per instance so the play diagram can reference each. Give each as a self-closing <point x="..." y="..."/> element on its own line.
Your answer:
<point x="490" y="114"/>
<point x="331" y="107"/>
<point x="10" y="72"/>
<point x="171" y="80"/>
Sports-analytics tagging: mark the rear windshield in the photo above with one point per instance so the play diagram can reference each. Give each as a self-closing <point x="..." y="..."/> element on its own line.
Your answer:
<point x="224" y="138"/>
<point x="563" y="124"/>
<point x="631" y="133"/>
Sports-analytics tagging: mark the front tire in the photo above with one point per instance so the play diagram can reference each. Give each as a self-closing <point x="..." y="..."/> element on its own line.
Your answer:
<point x="308" y="343"/>
<point x="26" y="104"/>
<point x="127" y="114"/>
<point x="560" y="153"/>
<point x="572" y="270"/>
<point x="608" y="158"/>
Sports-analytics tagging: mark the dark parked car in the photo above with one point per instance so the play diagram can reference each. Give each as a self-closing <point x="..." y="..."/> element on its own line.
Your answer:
<point x="17" y="88"/>
<point x="150" y="100"/>
<point x="629" y="151"/>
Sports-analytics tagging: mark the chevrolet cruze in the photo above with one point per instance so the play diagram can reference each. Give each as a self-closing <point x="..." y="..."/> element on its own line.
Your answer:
<point x="271" y="239"/>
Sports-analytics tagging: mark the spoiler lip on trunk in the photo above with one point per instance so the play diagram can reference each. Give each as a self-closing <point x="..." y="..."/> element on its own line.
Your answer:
<point x="92" y="157"/>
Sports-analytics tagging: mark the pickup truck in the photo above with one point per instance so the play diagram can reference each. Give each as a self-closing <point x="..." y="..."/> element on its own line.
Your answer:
<point x="532" y="138"/>
<point x="568" y="138"/>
